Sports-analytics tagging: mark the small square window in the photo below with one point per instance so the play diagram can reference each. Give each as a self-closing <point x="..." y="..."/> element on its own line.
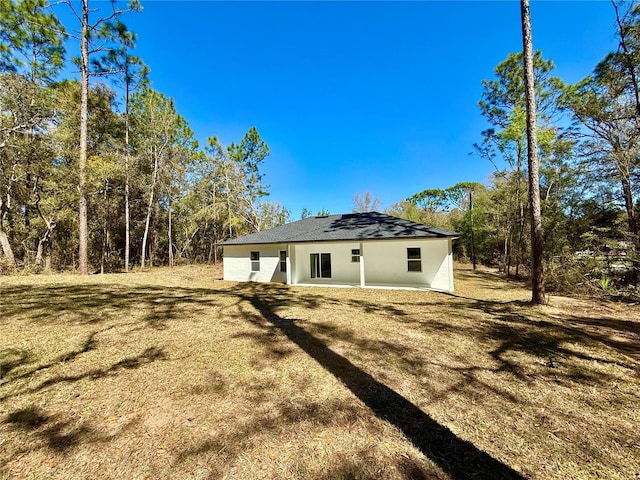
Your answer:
<point x="414" y="260"/>
<point x="355" y="255"/>
<point x="255" y="261"/>
<point x="414" y="266"/>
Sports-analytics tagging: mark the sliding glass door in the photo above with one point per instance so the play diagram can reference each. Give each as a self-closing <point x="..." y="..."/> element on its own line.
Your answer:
<point x="320" y="265"/>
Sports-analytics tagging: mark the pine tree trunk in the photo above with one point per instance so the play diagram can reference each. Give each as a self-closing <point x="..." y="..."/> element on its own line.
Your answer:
<point x="127" y="221"/>
<point x="508" y="239"/>
<point x="170" y="235"/>
<point x="83" y="234"/>
<point x="519" y="258"/>
<point x="537" y="277"/>
<point x="214" y="245"/>
<point x="149" y="211"/>
<point x="521" y="242"/>
<point x="105" y="233"/>
<point x="228" y="204"/>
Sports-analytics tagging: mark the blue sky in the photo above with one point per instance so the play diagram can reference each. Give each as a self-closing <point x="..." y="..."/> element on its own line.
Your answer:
<point x="354" y="96"/>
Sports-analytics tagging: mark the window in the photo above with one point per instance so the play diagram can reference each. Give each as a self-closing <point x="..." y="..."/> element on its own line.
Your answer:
<point x="355" y="255"/>
<point x="414" y="260"/>
<point x="283" y="260"/>
<point x="320" y="265"/>
<point x="255" y="261"/>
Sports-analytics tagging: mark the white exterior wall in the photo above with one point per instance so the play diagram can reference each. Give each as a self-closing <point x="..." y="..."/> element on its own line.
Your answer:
<point x="386" y="263"/>
<point x="237" y="263"/>
<point x="343" y="270"/>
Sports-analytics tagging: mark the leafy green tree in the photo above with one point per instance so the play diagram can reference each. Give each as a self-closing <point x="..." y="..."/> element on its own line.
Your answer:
<point x="273" y="214"/>
<point x="161" y="140"/>
<point x="177" y="171"/>
<point x="503" y="104"/>
<point x="471" y="218"/>
<point x="96" y="36"/>
<point x="432" y="199"/>
<point x="31" y="55"/>
<point x="31" y="40"/>
<point x="27" y="111"/>
<point x="449" y="209"/>
<point x="605" y="105"/>
<point x="225" y="181"/>
<point x="103" y="174"/>
<point x="247" y="156"/>
<point x="239" y="181"/>
<point x="205" y="207"/>
<point x="130" y="74"/>
<point x="562" y="191"/>
<point x="199" y="212"/>
<point x="626" y="61"/>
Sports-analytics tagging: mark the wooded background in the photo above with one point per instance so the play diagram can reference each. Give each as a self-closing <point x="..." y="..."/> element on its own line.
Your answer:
<point x="103" y="174"/>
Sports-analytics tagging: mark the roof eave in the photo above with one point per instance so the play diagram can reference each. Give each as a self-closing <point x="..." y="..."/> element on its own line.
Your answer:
<point x="334" y="240"/>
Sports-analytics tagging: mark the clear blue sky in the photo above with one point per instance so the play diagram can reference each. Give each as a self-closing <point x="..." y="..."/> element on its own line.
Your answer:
<point x="354" y="96"/>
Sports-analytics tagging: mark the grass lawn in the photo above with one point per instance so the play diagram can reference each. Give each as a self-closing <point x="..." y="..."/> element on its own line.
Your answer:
<point x="177" y="374"/>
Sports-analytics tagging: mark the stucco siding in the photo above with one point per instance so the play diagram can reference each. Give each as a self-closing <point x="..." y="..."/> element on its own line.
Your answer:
<point x="237" y="263"/>
<point x="343" y="270"/>
<point x="386" y="263"/>
<point x="436" y="263"/>
<point x="442" y="266"/>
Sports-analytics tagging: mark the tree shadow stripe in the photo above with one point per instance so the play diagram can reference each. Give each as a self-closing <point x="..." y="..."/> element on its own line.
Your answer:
<point x="459" y="458"/>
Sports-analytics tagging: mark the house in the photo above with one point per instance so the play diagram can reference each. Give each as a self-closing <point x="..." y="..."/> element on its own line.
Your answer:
<point x="357" y="249"/>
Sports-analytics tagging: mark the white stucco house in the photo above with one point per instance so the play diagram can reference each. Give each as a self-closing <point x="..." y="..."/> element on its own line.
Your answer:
<point x="357" y="249"/>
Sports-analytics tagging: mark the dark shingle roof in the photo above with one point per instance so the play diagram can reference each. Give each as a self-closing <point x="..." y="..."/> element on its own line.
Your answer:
<point x="352" y="226"/>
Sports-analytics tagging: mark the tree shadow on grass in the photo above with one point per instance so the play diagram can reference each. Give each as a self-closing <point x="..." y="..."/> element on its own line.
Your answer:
<point x="623" y="335"/>
<point x="150" y="355"/>
<point x="94" y="305"/>
<point x="551" y="337"/>
<point x="159" y="307"/>
<point x="520" y="326"/>
<point x="59" y="434"/>
<point x="285" y="415"/>
<point x="459" y="458"/>
<point x="88" y="345"/>
<point x="57" y="431"/>
<point x="11" y="358"/>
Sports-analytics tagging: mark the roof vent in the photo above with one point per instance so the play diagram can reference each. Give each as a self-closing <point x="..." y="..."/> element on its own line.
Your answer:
<point x="322" y="216"/>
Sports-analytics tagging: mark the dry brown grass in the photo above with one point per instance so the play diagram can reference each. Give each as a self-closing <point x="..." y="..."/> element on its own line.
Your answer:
<point x="176" y="374"/>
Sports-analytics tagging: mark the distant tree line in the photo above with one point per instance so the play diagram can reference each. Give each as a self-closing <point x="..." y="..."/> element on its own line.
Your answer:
<point x="102" y="172"/>
<point x="589" y="150"/>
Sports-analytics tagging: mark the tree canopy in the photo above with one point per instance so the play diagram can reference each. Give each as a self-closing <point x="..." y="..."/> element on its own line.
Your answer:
<point x="102" y="172"/>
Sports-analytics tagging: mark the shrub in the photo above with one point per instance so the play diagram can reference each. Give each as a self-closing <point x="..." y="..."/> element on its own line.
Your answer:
<point x="7" y="267"/>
